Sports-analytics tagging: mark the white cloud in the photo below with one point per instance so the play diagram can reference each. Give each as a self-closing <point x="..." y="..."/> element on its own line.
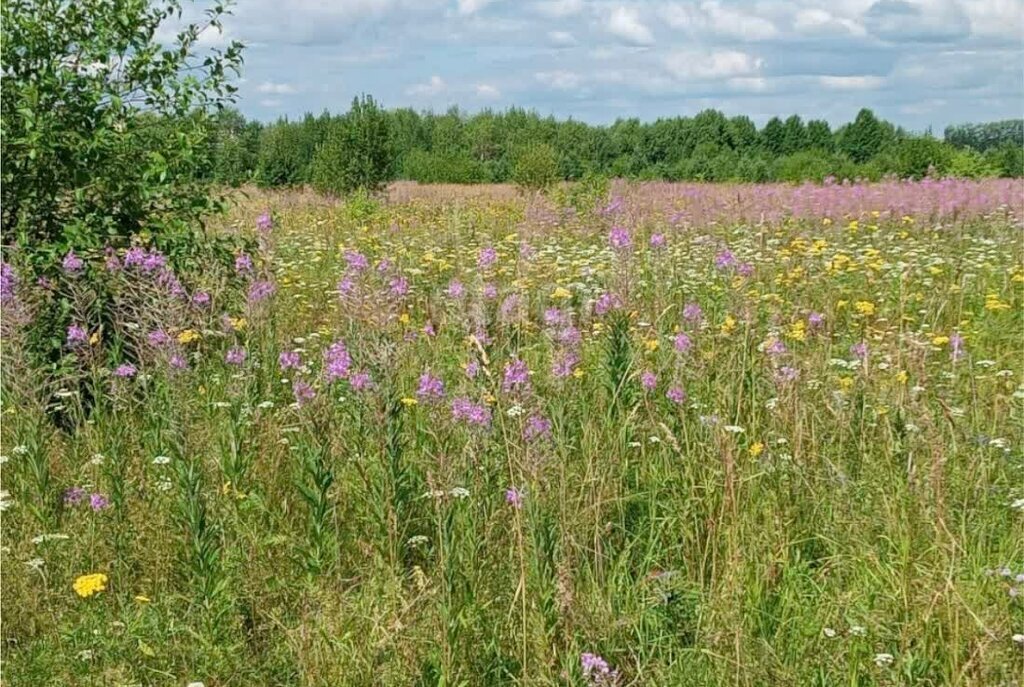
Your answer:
<point x="815" y="21"/>
<point x="558" y="9"/>
<point x="486" y="90"/>
<point x="712" y="17"/>
<point x="434" y="86"/>
<point x="687" y="65"/>
<point x="624" y="23"/>
<point x="270" y="102"/>
<point x="559" y="80"/>
<point x="561" y="39"/>
<point x="469" y="7"/>
<point x="270" y="87"/>
<point x="851" y="83"/>
<point x="748" y="84"/>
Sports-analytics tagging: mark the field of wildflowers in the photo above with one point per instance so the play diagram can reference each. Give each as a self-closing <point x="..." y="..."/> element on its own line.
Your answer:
<point x="696" y="435"/>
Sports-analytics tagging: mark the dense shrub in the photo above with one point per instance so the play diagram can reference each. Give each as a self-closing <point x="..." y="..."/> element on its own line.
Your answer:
<point x="356" y="152"/>
<point x="536" y="167"/>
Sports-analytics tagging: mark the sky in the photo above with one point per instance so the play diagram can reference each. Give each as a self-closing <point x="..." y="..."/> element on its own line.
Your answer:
<point x="918" y="63"/>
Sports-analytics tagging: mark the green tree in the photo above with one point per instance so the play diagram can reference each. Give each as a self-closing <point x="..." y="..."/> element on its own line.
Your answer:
<point x="356" y="153"/>
<point x="864" y="138"/>
<point x="819" y="135"/>
<point x="106" y="131"/>
<point x="536" y="167"/>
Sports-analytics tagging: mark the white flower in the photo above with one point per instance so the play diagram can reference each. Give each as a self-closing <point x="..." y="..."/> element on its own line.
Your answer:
<point x="84" y="655"/>
<point x="735" y="429"/>
<point x="195" y="684"/>
<point x="858" y="630"/>
<point x="459" y="492"/>
<point x="97" y="459"/>
<point x="829" y="632"/>
<point x="1017" y="504"/>
<point x="1019" y="638"/>
<point x="5" y="500"/>
<point x="40" y="538"/>
<point x="161" y="460"/>
<point x="164" y="485"/>
<point x="654" y="440"/>
<point x="771" y="403"/>
<point x="417" y="540"/>
<point x="3" y="459"/>
<point x="515" y="411"/>
<point x="20" y="449"/>
<point x="35" y="564"/>
<point x="883" y="660"/>
<point x="265" y="404"/>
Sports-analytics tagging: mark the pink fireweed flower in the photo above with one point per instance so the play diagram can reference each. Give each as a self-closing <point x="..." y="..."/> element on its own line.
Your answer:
<point x="537" y="427"/>
<point x="786" y="374"/>
<point x="516" y="376"/>
<point x="509" y="308"/>
<point x="71" y="263"/>
<point x="597" y="671"/>
<point x="158" y="338"/>
<point x="361" y="381"/>
<point x="178" y="362"/>
<point x="692" y="312"/>
<point x="676" y="395"/>
<point x="265" y="222"/>
<point x="486" y="257"/>
<point x="346" y="286"/>
<point x="289" y="360"/>
<point x="569" y="336"/>
<point x="490" y="291"/>
<point x="648" y="380"/>
<point x="682" y="343"/>
<point x="155" y="260"/>
<point x="564" y="365"/>
<point x="525" y="250"/>
<point x="399" y="286"/>
<point x="384" y="265"/>
<point x="607" y="302"/>
<point x="134" y="257"/>
<point x="74" y="496"/>
<point x="303" y="392"/>
<point x="201" y="298"/>
<point x="619" y="238"/>
<point x="111" y="262"/>
<point x="260" y="291"/>
<point x="658" y="241"/>
<point x="243" y="263"/>
<point x="455" y="289"/>
<point x="815" y="320"/>
<point x="553" y="317"/>
<point x="745" y="269"/>
<point x="472" y="413"/>
<point x="235" y="356"/>
<point x="8" y="282"/>
<point x="775" y="348"/>
<point x="725" y="260"/>
<point x="514" y="497"/>
<point x="337" y="361"/>
<point x="431" y="388"/>
<point x="356" y="261"/>
<point x="77" y="335"/>
<point x="125" y="370"/>
<point x="859" y="350"/>
<point x="98" y="501"/>
<point x="956" y="346"/>
<point x="472" y="369"/>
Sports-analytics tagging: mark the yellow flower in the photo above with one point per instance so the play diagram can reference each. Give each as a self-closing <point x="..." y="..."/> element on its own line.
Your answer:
<point x="902" y="376"/>
<point x="756" y="449"/>
<point x="94" y="339"/>
<point x="993" y="302"/>
<point x="729" y="325"/>
<point x="237" y="323"/>
<point x="651" y="345"/>
<point x="188" y="336"/>
<point x="846" y="383"/>
<point x="577" y="373"/>
<point x="561" y="292"/>
<point x="940" y="340"/>
<point x="404" y="318"/>
<point x="87" y="585"/>
<point x="408" y="401"/>
<point x="142" y="599"/>
<point x="865" y="307"/>
<point x="797" y="331"/>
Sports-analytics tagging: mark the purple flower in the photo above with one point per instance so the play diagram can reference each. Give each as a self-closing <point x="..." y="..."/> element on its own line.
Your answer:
<point x="346" y="286"/>
<point x="569" y="336"/>
<point x="201" y="298"/>
<point x="178" y="362"/>
<point x="134" y="256"/>
<point x="337" y="361"/>
<point x="98" y="502"/>
<point x="264" y="222"/>
<point x="537" y="427"/>
<point x="815" y="320"/>
<point x="490" y="291"/>
<point x="125" y="370"/>
<point x="303" y="392"/>
<point x="859" y="350"/>
<point x="155" y="260"/>
<point x="384" y="265"/>
<point x="725" y="260"/>
<point x="472" y="369"/>
<point x="597" y="671"/>
<point x="356" y="261"/>
<point x="516" y="376"/>
<point x="261" y="290"/>
<point x="607" y="302"/>
<point x="514" y="497"/>
<point x="289" y="360"/>
<point x="786" y="374"/>
<point x="486" y="257"/>
<point x="619" y="238"/>
<point x="648" y="380"/>
<point x="399" y="286"/>
<point x="72" y="264"/>
<point x="361" y="381"/>
<point x="473" y="413"/>
<point x="509" y="307"/>
<point x="775" y="348"/>
<point x="525" y="250"/>
<point x="74" y="495"/>
<point x="243" y="263"/>
<point x="235" y="356"/>
<point x="77" y="335"/>
<point x="112" y="263"/>
<point x="682" y="343"/>
<point x="455" y="289"/>
<point x="692" y="312"/>
<point x="564" y="365"/>
<point x="956" y="346"/>
<point x="658" y="241"/>
<point x="431" y="387"/>
<point x="745" y="269"/>
<point x="676" y="395"/>
<point x="8" y="281"/>
<point x="553" y="317"/>
<point x="158" y="338"/>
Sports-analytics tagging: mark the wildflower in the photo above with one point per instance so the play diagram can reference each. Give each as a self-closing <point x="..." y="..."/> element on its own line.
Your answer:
<point x="201" y="298"/>
<point x="682" y="343"/>
<point x="956" y="346"/>
<point x="490" y="291"/>
<point x="597" y="671"/>
<point x="431" y="388"/>
<point x="745" y="269"/>
<point x="8" y="281"/>
<point x="648" y="380"/>
<point x="87" y="585"/>
<point x="337" y="361"/>
<point x="486" y="257"/>
<point x="264" y="222"/>
<point x="725" y="260"/>
<point x="859" y="350"/>
<point x="619" y="238"/>
<point x="161" y="460"/>
<point x="815" y="320"/>
<point x="775" y="348"/>
<point x="289" y="360"/>
<point x="178" y="362"/>
<point x="153" y="261"/>
<point x="409" y="402"/>
<point x="692" y="312"/>
<point x="361" y="381"/>
<point x="561" y="293"/>
<point x="125" y="370"/>
<point x="658" y="241"/>
<point x="676" y="395"/>
<point x="607" y="302"/>
<point x="728" y="325"/>
<point x="883" y="660"/>
<point x="756" y="449"/>
<point x="514" y="497"/>
<point x="473" y="413"/>
<point x="472" y="369"/>
<point x="864" y="308"/>
<point x="537" y="427"/>
<point x="356" y="261"/>
<point x="553" y="317"/>
<point x="303" y="392"/>
<point x="786" y="374"/>
<point x="399" y="286"/>
<point x="243" y="263"/>
<point x="74" y="495"/>
<point x="260" y="291"/>
<point x="98" y="501"/>
<point x="455" y="289"/>
<point x="77" y="335"/>
<point x="235" y="356"/>
<point x="72" y="264"/>
<point x="516" y="375"/>
<point x="158" y="338"/>
<point x="797" y="331"/>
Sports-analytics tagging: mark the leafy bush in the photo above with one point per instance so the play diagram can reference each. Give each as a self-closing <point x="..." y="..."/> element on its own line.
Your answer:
<point x="356" y="152"/>
<point x="970" y="164"/>
<point x="442" y="168"/>
<point x="914" y="158"/>
<point x="536" y="167"/>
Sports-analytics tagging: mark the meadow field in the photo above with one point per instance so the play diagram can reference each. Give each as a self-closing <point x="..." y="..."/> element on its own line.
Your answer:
<point x="673" y="434"/>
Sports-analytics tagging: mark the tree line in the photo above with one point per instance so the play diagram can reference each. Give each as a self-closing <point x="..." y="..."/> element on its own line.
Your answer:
<point x="369" y="145"/>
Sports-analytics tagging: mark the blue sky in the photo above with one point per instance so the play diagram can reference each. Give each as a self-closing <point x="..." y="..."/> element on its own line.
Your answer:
<point x="916" y="62"/>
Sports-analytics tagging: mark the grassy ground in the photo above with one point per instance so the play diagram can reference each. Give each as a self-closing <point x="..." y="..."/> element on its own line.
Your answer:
<point x="832" y="503"/>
